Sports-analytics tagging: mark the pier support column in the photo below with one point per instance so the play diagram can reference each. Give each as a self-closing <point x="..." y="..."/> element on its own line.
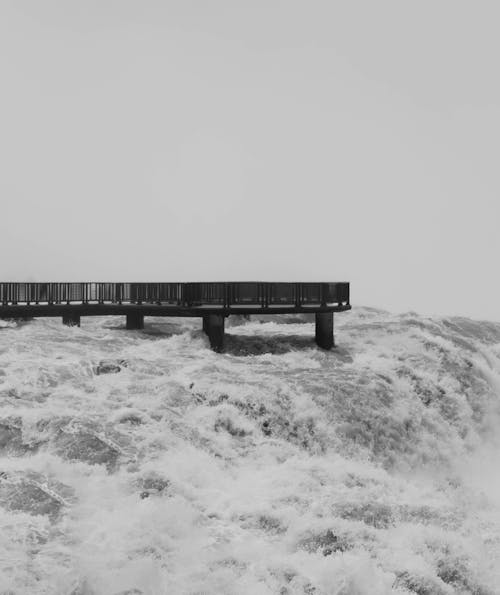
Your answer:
<point x="71" y="319"/>
<point x="324" y="330"/>
<point x="135" y="320"/>
<point x="213" y="325"/>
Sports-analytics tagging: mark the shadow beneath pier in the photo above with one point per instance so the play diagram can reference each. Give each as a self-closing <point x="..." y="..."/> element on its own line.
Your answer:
<point x="258" y="345"/>
<point x="245" y="345"/>
<point x="160" y="330"/>
<point x="163" y="329"/>
<point x="19" y="320"/>
<point x="240" y="319"/>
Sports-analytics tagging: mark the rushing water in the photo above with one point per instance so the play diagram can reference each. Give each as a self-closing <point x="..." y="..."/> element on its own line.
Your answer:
<point x="141" y="462"/>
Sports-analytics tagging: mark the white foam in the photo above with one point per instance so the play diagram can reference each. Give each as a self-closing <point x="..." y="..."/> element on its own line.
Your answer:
<point x="274" y="467"/>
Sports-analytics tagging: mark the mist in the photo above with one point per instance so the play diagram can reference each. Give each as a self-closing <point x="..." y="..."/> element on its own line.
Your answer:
<point x="175" y="141"/>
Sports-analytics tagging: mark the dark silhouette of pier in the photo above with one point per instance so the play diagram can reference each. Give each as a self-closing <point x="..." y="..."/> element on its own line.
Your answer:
<point x="213" y="302"/>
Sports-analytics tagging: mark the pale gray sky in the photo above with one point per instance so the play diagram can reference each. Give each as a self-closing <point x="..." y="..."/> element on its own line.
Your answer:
<point x="255" y="140"/>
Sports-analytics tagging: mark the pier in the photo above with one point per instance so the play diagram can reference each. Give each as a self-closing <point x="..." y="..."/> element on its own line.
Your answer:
<point x="213" y="302"/>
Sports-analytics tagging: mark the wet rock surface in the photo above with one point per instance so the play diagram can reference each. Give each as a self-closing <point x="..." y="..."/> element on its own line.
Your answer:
<point x="12" y="441"/>
<point x="33" y="493"/>
<point x="87" y="444"/>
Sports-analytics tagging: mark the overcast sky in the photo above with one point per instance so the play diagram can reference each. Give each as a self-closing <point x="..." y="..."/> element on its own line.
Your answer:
<point x="258" y="140"/>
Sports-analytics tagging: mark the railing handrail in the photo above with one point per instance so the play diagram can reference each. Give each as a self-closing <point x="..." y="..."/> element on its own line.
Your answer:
<point x="187" y="294"/>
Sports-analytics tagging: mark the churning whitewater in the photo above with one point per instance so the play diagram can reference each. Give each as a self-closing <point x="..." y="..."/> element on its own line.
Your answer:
<point x="141" y="462"/>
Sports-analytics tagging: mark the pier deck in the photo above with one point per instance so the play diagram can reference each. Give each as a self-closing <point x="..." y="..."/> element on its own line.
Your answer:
<point x="211" y="301"/>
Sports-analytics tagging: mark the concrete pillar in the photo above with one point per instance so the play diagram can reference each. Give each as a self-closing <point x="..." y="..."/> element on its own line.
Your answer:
<point x="71" y="319"/>
<point x="324" y="330"/>
<point x="135" y="320"/>
<point x="213" y="325"/>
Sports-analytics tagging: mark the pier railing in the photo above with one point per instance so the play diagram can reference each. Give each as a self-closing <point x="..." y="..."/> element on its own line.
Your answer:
<point x="228" y="294"/>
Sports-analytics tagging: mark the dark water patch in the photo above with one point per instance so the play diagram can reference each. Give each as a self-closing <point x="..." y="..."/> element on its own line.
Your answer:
<point x="109" y="366"/>
<point x="132" y="418"/>
<point x="420" y="585"/>
<point x="276" y="419"/>
<point x="472" y="384"/>
<point x="383" y="436"/>
<point x="459" y="573"/>
<point x="222" y="398"/>
<point x="384" y="378"/>
<point x="270" y="524"/>
<point x="352" y="480"/>
<point x="302" y="432"/>
<point x="225" y="423"/>
<point x="153" y="484"/>
<point x="453" y="568"/>
<point x="374" y="514"/>
<point x="326" y="543"/>
<point x="449" y="519"/>
<point x="252" y="409"/>
<point x="425" y="389"/>
<point x="231" y="563"/>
